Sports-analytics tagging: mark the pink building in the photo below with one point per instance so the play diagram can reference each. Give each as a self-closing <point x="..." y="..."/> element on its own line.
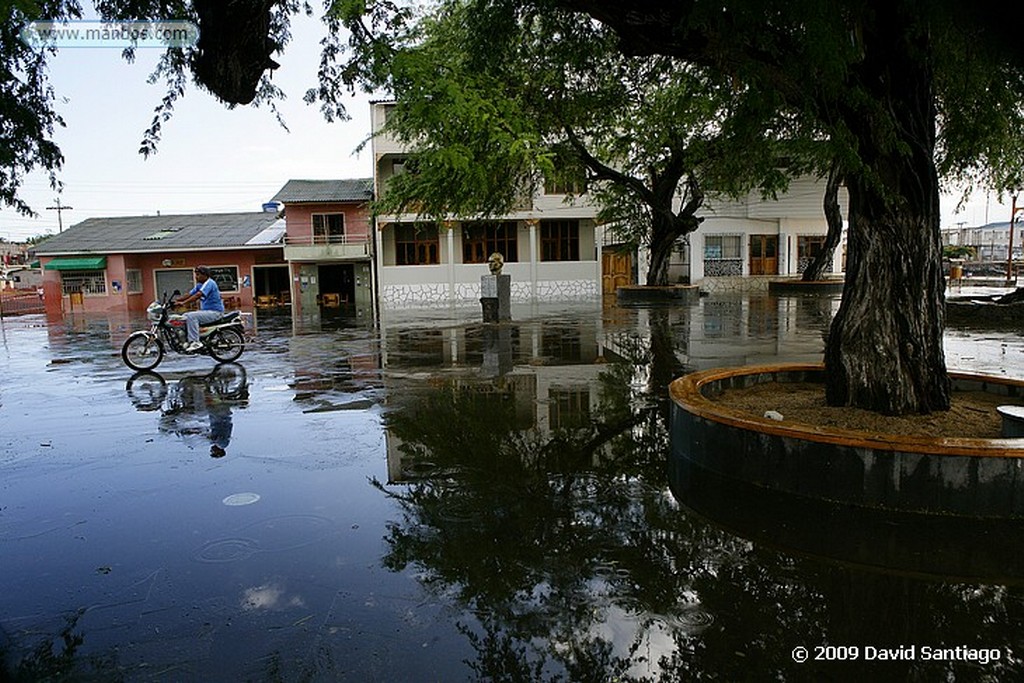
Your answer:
<point x="124" y="263"/>
<point x="329" y="244"/>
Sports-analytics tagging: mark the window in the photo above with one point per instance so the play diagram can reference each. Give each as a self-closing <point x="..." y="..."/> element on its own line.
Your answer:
<point x="226" y="277"/>
<point x="569" y="407"/>
<point x="328" y="227"/>
<point x="83" y="282"/>
<point x="809" y="246"/>
<point x="721" y="247"/>
<point x="134" y="277"/>
<point x="565" y="182"/>
<point x="480" y="240"/>
<point x="807" y="249"/>
<point x="559" y="240"/>
<point x="416" y="244"/>
<point x="722" y="255"/>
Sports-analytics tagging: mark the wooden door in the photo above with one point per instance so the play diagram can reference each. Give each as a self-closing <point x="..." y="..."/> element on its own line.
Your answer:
<point x="616" y="270"/>
<point x="764" y="254"/>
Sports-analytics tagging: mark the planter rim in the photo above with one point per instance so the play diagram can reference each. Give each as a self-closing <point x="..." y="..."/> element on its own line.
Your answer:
<point x="686" y="393"/>
<point x="668" y="286"/>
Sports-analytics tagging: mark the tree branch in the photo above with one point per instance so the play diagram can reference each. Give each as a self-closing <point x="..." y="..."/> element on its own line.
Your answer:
<point x="605" y="172"/>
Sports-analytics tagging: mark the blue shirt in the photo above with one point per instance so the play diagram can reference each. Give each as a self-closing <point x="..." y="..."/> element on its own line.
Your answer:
<point x="210" y="300"/>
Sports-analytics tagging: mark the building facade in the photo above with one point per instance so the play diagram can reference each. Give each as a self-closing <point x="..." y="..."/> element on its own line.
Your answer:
<point x="328" y="245"/>
<point x="124" y="263"/>
<point x="556" y="250"/>
<point x="552" y="248"/>
<point x="743" y="244"/>
<point x="990" y="242"/>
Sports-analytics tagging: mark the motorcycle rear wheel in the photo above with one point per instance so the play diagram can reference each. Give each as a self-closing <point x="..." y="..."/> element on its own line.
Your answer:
<point x="142" y="351"/>
<point x="226" y="345"/>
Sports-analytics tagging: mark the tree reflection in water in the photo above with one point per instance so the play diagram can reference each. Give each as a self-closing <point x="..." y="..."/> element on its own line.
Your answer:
<point x="572" y="560"/>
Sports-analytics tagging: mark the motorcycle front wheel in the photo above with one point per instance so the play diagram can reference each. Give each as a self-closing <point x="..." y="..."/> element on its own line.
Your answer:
<point x="226" y="345"/>
<point x="142" y="351"/>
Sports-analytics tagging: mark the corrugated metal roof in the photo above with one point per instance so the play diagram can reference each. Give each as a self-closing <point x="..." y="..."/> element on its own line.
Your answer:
<point x="159" y="233"/>
<point x="349" y="190"/>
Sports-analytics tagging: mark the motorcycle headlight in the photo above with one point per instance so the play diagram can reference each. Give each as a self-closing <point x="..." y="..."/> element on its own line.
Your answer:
<point x="154" y="310"/>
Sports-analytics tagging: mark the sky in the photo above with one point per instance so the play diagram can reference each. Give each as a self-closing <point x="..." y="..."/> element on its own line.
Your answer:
<point x="212" y="159"/>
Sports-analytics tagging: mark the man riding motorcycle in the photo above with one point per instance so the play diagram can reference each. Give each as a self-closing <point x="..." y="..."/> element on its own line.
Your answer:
<point x="211" y="306"/>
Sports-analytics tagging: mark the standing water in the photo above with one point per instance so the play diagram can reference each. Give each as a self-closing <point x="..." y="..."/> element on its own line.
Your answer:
<point x="433" y="499"/>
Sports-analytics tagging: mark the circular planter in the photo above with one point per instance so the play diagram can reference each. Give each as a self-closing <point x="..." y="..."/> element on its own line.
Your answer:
<point x="936" y="546"/>
<point x="953" y="476"/>
<point x="800" y="287"/>
<point x="983" y="312"/>
<point x="653" y="295"/>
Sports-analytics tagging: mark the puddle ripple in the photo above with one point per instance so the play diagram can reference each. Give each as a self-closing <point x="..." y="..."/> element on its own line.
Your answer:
<point x="273" y="535"/>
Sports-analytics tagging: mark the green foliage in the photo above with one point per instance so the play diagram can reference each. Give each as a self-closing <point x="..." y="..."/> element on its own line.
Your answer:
<point x="951" y="251"/>
<point x="981" y="117"/>
<point x="36" y="239"/>
<point x="27" y="117"/>
<point x="493" y="100"/>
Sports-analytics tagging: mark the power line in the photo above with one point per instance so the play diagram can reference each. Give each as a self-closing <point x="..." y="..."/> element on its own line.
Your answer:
<point x="59" y="209"/>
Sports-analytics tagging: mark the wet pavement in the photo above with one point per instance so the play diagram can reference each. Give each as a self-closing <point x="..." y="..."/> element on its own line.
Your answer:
<point x="431" y="498"/>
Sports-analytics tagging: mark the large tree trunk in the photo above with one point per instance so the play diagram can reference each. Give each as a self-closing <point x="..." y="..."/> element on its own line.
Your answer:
<point x="834" y="219"/>
<point x="667" y="227"/>
<point x="663" y="238"/>
<point x="884" y="351"/>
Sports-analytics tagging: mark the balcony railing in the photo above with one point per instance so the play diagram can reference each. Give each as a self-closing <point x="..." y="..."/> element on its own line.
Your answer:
<point x="310" y="240"/>
<point x="340" y="247"/>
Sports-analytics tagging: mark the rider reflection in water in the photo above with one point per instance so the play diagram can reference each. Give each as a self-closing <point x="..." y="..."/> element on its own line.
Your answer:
<point x="200" y="397"/>
<point x="220" y="424"/>
<point x="184" y="404"/>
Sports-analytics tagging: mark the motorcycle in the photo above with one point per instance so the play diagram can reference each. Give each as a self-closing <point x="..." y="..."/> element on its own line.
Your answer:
<point x="143" y="350"/>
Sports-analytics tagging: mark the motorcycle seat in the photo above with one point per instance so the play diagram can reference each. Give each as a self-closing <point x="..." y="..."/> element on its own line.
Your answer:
<point x="226" y="318"/>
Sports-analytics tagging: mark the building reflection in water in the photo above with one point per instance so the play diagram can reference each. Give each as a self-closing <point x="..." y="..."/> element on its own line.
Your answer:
<point x="530" y="470"/>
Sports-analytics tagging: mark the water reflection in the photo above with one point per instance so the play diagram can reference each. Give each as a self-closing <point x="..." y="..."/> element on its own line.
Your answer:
<point x="194" y="405"/>
<point x="527" y="467"/>
<point x="529" y="528"/>
<point x="534" y="495"/>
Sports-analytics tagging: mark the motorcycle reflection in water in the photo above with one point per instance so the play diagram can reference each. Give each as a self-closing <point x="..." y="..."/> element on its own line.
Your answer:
<point x="195" y="405"/>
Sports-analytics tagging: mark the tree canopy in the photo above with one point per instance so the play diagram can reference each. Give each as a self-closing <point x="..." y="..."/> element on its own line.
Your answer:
<point x="549" y="98"/>
<point x="907" y="90"/>
<point x="232" y="60"/>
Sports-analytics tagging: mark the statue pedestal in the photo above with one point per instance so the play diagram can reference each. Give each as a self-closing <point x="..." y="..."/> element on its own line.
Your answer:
<point x="496" y="297"/>
<point x="497" y="351"/>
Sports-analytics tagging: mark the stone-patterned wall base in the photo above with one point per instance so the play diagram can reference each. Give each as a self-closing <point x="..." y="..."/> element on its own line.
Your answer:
<point x="437" y="294"/>
<point x="748" y="283"/>
<point x="406" y="296"/>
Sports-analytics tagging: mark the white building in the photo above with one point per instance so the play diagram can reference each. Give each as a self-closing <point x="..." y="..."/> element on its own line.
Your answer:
<point x="555" y="250"/>
<point x="551" y="248"/>
<point x="989" y="241"/>
<point x="742" y="244"/>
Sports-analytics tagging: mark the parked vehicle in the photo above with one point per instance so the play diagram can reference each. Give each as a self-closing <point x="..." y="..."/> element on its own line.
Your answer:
<point x="222" y="339"/>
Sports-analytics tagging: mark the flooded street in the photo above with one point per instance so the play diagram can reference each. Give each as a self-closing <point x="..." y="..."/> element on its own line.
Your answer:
<point x="429" y="498"/>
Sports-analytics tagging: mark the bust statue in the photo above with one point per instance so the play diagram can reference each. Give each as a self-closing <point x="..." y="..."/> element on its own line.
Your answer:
<point x="495" y="263"/>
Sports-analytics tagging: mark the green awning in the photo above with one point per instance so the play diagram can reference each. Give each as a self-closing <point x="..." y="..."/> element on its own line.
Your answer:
<point x="78" y="263"/>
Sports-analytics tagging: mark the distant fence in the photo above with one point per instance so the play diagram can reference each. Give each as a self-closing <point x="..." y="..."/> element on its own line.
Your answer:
<point x="18" y="303"/>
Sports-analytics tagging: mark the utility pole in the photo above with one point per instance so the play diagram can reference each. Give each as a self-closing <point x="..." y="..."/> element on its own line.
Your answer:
<point x="58" y="207"/>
